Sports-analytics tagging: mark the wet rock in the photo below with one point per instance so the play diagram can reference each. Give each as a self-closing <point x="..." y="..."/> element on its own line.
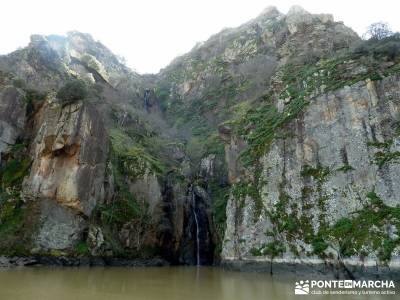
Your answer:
<point x="198" y="240"/>
<point x="7" y="262"/>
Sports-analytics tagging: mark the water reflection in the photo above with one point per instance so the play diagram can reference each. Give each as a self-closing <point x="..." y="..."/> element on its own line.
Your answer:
<point x="176" y="283"/>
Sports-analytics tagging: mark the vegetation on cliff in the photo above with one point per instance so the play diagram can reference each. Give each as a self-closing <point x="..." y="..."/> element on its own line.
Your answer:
<point x="163" y="150"/>
<point x="72" y="91"/>
<point x="296" y="85"/>
<point x="16" y="227"/>
<point x="262" y="122"/>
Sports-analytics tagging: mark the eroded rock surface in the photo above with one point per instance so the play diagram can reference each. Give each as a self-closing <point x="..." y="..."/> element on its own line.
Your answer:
<point x="325" y="172"/>
<point x="69" y="156"/>
<point x="12" y="116"/>
<point x="70" y="151"/>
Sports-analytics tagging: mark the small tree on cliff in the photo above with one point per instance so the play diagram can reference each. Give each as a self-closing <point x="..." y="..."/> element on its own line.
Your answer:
<point x="378" y="31"/>
<point x="72" y="91"/>
<point x="274" y="249"/>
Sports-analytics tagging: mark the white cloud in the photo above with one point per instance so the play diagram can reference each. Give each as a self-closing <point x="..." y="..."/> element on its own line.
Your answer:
<point x="149" y="34"/>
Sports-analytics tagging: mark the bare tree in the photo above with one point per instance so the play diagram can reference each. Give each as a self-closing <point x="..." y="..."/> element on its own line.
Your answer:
<point x="378" y="31"/>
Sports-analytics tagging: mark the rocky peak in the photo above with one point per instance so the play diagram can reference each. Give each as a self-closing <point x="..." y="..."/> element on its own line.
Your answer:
<point x="80" y="36"/>
<point x="37" y="39"/>
<point x="297" y="10"/>
<point x="298" y="16"/>
<point x="270" y="12"/>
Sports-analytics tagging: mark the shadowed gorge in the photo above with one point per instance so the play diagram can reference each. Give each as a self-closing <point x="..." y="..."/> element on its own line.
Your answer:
<point x="274" y="142"/>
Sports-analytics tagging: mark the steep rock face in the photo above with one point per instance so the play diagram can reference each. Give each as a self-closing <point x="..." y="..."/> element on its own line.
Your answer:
<point x="61" y="228"/>
<point x="12" y="115"/>
<point x="233" y="147"/>
<point x="338" y="163"/>
<point x="177" y="224"/>
<point x="236" y="64"/>
<point x="69" y="156"/>
<point x="148" y="189"/>
<point x="226" y="75"/>
<point x="113" y="202"/>
<point x="140" y="233"/>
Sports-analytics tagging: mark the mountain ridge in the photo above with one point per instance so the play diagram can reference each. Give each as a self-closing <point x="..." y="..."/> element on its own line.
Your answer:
<point x="231" y="142"/>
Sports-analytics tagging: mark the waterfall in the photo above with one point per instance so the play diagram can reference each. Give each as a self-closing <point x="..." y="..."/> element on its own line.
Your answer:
<point x="197" y="228"/>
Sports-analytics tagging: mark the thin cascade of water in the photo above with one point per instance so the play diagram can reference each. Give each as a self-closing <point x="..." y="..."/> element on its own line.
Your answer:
<point x="197" y="229"/>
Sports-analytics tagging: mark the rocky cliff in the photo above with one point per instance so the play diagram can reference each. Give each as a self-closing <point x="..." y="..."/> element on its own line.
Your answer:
<point x="273" y="141"/>
<point x="94" y="172"/>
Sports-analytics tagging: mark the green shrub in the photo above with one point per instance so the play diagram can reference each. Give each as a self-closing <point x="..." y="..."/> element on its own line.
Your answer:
<point x="82" y="248"/>
<point x="319" y="245"/>
<point x="388" y="47"/>
<point x="319" y="173"/>
<point x="14" y="171"/>
<point x="11" y="220"/>
<point x="366" y="229"/>
<point x="73" y="91"/>
<point x="19" y="83"/>
<point x="32" y="95"/>
<point x="381" y="158"/>
<point x="220" y="196"/>
<point x="345" y="168"/>
<point x="256" y="252"/>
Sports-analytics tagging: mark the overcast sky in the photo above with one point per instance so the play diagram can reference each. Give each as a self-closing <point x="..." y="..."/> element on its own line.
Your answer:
<point x="150" y="33"/>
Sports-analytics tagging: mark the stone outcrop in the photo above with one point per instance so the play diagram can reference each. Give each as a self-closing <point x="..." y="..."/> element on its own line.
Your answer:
<point x="61" y="228"/>
<point x="12" y="113"/>
<point x="69" y="155"/>
<point x="326" y="173"/>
